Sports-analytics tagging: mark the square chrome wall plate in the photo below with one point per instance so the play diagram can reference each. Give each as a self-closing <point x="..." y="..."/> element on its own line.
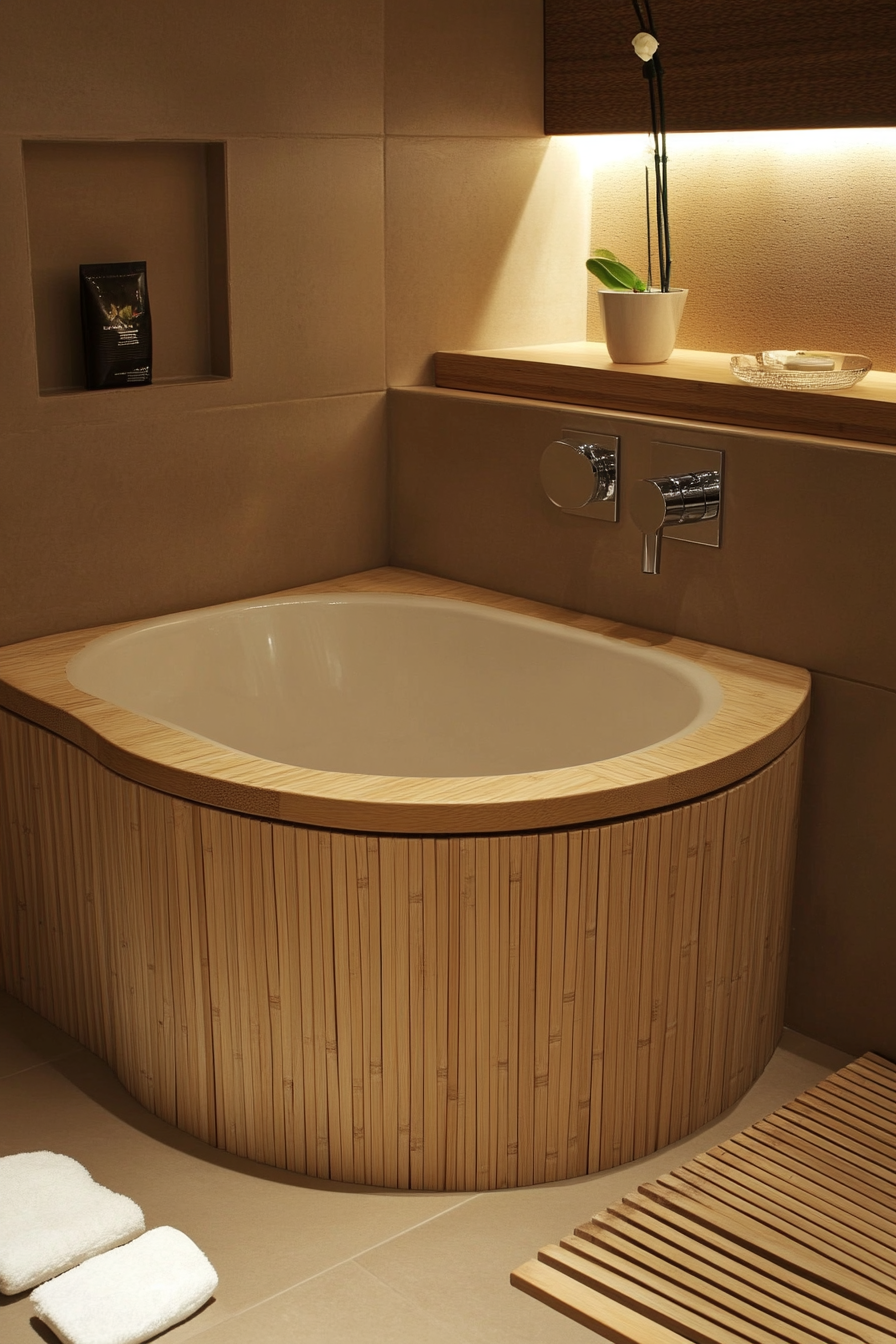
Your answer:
<point x="679" y="459"/>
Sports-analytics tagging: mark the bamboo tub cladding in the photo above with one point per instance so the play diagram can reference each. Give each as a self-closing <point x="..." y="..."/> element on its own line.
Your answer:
<point x="448" y="1012"/>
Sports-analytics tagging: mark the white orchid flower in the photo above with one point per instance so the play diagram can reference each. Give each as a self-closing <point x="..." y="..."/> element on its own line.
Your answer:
<point x="645" y="44"/>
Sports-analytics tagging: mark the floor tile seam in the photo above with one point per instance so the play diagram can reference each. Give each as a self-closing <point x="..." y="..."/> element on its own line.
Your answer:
<point x="43" y="1063"/>
<point x="338" y="1264"/>
<point x="417" y="1306"/>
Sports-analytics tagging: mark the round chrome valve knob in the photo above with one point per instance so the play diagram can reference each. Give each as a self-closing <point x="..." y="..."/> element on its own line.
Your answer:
<point x="574" y="475"/>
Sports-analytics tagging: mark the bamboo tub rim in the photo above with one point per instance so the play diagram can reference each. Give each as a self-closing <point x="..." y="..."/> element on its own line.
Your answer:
<point x="764" y="709"/>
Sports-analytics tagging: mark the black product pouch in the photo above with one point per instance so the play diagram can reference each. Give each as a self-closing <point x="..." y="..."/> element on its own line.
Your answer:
<point x="116" y="324"/>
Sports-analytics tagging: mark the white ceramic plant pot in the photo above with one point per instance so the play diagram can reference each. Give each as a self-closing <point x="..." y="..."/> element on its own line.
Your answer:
<point x="640" y="328"/>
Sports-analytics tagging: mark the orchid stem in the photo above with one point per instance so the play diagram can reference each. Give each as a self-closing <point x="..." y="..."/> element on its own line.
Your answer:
<point x="649" y="246"/>
<point x="658" y="179"/>
<point x="654" y="74"/>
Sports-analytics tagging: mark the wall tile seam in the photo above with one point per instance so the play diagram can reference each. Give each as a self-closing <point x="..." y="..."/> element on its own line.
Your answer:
<point x="29" y="433"/>
<point x="258" y="405"/>
<point x="852" y="681"/>
<point x="466" y="135"/>
<point x="218" y="136"/>
<point x="191" y="137"/>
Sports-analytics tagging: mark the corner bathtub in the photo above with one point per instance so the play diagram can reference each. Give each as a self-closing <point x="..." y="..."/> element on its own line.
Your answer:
<point x="397" y="881"/>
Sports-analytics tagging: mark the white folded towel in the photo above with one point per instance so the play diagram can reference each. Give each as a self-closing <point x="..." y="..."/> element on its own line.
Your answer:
<point x="53" y="1215"/>
<point x="129" y="1294"/>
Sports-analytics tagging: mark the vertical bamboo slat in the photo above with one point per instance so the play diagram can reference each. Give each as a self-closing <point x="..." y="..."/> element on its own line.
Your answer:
<point x="356" y="1032"/>
<point x="467" y="1012"/>
<point x="452" y="997"/>
<point x="599" y="1029"/>
<point x="528" y="979"/>
<point x="416" y="1009"/>
<point x="485" y="1116"/>
<point x="514" y="1008"/>
<point x="443" y="884"/>
<point x="502" y="933"/>
<point x="343" y="999"/>
<point x="436" y="1013"/>
<point x="290" y="971"/>
<point x="430" y="913"/>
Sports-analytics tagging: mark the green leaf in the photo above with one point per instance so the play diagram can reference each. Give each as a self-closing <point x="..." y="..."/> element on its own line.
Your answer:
<point x="613" y="275"/>
<point x="603" y="252"/>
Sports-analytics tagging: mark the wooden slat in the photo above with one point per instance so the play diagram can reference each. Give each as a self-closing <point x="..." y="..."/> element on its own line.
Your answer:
<point x="773" y="1241"/>
<point x="844" y="1184"/>
<point x="467" y="998"/>
<point x="850" y="1132"/>
<point x="484" y="1072"/>
<point x="526" y="997"/>
<point x="610" y="1319"/>
<point x="770" y="1237"/>
<point x="343" y="998"/>
<point x="878" y="1067"/>
<point x="514" y="1005"/>
<point x="725" y="1243"/>
<point x="710" y="1271"/>
<point x="400" y="853"/>
<point x="811" y="1125"/>
<point x="430" y="1070"/>
<point x="374" y="965"/>
<point x="798" y="1144"/>
<point x="795" y="1214"/>
<point x="673" y="1313"/>
<point x="700" y="1296"/>
<point x="571" y="944"/>
<point x="783" y="1215"/>
<point x="869" y="1114"/>
<point x="874" y="1087"/>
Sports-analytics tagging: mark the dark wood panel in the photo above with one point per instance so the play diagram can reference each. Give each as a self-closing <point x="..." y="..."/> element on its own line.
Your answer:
<point x="768" y="65"/>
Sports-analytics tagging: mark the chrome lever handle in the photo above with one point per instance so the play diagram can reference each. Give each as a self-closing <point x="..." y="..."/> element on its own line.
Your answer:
<point x="671" y="501"/>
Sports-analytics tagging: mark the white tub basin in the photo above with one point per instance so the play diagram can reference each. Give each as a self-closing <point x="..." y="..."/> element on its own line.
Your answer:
<point x="397" y="685"/>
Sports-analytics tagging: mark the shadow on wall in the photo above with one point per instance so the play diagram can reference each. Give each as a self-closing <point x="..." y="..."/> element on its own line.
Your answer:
<point x="494" y="234"/>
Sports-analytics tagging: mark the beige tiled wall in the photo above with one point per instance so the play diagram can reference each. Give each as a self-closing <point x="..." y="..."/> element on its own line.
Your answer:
<point x="389" y="193"/>
<point x="806" y="575"/>
<point x="134" y="502"/>
<point x="783" y="240"/>
<point x="464" y="68"/>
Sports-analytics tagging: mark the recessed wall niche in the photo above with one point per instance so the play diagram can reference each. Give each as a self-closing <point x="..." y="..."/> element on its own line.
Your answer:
<point x="162" y="202"/>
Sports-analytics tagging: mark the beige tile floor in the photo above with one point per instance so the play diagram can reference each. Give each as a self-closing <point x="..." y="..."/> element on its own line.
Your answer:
<point x="314" y="1262"/>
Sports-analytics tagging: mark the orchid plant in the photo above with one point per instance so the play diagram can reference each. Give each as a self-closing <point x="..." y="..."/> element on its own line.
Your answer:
<point x="609" y="270"/>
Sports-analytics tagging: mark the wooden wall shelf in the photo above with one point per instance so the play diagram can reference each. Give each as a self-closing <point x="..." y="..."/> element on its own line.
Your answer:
<point x="803" y="64"/>
<point x="691" y="385"/>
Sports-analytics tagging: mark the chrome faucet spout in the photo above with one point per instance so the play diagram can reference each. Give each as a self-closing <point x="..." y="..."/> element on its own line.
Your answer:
<point x="672" y="501"/>
<point x="651" y="550"/>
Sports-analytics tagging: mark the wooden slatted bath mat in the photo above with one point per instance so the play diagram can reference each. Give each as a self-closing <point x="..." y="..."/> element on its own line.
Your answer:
<point x="786" y="1232"/>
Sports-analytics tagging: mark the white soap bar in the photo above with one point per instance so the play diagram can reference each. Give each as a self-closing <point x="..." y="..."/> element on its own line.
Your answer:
<point x="808" y="362"/>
